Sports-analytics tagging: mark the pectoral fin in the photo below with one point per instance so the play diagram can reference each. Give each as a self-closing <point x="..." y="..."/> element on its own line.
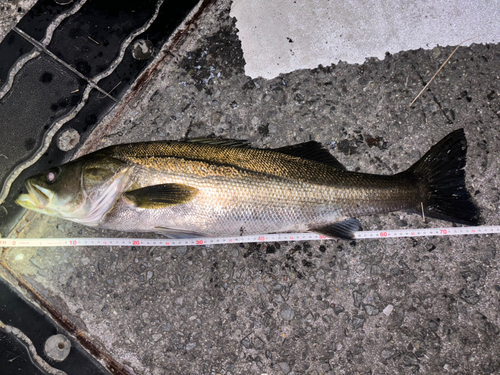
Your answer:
<point x="342" y="229"/>
<point x="160" y="196"/>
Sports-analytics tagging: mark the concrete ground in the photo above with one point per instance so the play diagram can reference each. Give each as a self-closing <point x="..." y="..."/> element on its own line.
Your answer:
<point x="396" y="306"/>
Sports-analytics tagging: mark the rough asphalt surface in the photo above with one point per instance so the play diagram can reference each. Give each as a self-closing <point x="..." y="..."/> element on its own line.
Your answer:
<point x="395" y="306"/>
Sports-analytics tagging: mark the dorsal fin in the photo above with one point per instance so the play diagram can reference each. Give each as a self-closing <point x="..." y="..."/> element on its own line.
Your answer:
<point x="311" y="150"/>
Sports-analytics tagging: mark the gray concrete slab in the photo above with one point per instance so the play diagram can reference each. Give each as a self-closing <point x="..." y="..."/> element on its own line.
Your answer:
<point x="286" y="35"/>
<point x="395" y="306"/>
<point x="11" y="12"/>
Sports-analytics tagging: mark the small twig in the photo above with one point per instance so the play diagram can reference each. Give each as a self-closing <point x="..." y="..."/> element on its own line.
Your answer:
<point x="423" y="214"/>
<point x="95" y="41"/>
<point x="13" y="359"/>
<point x="442" y="66"/>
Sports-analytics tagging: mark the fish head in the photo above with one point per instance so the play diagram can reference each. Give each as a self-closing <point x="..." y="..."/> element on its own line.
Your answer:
<point x="82" y="190"/>
<point x="56" y="192"/>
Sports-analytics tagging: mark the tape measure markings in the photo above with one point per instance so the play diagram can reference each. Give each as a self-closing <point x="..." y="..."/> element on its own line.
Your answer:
<point x="280" y="237"/>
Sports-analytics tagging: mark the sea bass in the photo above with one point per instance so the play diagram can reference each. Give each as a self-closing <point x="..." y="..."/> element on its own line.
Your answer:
<point x="213" y="188"/>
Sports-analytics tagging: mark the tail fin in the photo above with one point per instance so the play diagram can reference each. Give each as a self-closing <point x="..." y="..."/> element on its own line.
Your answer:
<point x="440" y="173"/>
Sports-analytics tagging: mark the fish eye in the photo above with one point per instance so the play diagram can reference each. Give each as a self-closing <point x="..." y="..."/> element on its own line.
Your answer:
<point x="51" y="175"/>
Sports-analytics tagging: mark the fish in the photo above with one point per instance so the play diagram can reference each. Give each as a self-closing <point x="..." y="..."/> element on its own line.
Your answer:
<point x="220" y="188"/>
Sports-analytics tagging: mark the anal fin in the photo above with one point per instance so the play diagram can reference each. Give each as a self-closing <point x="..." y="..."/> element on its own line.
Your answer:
<point x="342" y="229"/>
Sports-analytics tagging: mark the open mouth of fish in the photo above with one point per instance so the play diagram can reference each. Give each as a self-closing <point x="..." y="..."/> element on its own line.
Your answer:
<point x="37" y="197"/>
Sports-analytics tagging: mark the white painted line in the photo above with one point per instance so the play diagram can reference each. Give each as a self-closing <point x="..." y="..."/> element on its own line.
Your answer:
<point x="281" y="36"/>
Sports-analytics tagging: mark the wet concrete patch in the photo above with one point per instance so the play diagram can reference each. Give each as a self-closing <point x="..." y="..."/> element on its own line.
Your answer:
<point x="12" y="48"/>
<point x="92" y="38"/>
<point x="36" y="21"/>
<point x="151" y="40"/>
<point x="42" y="92"/>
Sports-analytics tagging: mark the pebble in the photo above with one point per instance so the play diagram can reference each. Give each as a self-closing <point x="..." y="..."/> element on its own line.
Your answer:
<point x="287" y="313"/>
<point x="371" y="310"/>
<point x="262" y="289"/>
<point x="387" y="353"/>
<point x="388" y="309"/>
<point x="181" y="250"/>
<point x="436" y="52"/>
<point x="246" y="342"/>
<point x="358" y="298"/>
<point x="156" y="336"/>
<point x="358" y="322"/>
<point x="258" y="343"/>
<point x="142" y="49"/>
<point x="284" y="367"/>
<point x="469" y="295"/>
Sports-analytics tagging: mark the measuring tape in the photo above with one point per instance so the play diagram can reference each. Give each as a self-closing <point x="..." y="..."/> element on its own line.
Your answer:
<point x="280" y="237"/>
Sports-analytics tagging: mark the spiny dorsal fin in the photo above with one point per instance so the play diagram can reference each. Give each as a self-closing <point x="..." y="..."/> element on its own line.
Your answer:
<point x="160" y="196"/>
<point x="311" y="150"/>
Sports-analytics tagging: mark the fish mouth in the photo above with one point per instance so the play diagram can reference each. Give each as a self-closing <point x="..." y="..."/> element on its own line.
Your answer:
<point x="37" y="198"/>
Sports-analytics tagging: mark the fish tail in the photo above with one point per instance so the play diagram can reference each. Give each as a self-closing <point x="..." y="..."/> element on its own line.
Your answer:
<point x="441" y="178"/>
